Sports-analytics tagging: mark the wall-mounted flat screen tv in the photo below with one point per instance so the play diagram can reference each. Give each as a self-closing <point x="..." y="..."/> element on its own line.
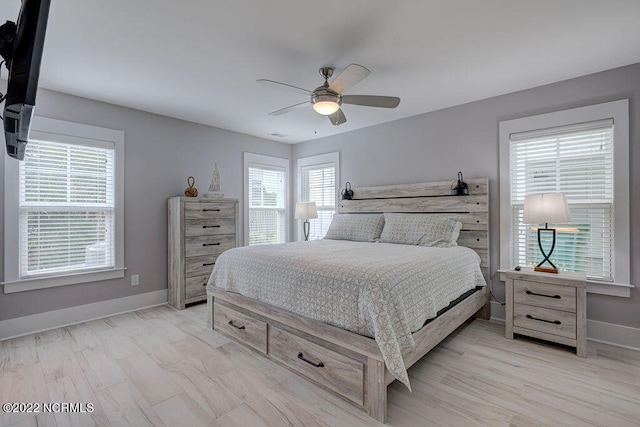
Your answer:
<point x="22" y="52"/>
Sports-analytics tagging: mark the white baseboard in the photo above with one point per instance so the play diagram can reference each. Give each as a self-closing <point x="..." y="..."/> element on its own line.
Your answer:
<point x="497" y="312"/>
<point x="19" y="326"/>
<point x="608" y="333"/>
<point x="618" y="335"/>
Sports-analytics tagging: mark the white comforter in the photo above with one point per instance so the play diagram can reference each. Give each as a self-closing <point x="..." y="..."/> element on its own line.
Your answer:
<point x="379" y="290"/>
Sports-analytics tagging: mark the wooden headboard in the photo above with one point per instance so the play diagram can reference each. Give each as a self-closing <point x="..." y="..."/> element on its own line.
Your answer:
<point x="433" y="197"/>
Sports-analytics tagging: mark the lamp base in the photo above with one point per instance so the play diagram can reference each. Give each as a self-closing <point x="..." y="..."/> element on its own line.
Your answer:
<point x="539" y="267"/>
<point x="546" y="269"/>
<point x="306" y="226"/>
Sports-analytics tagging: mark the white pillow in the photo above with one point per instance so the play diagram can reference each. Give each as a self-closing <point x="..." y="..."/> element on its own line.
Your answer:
<point x="441" y="230"/>
<point x="456" y="233"/>
<point x="356" y="227"/>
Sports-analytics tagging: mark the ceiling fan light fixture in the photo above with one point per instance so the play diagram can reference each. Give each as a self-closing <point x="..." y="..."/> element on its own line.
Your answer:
<point x="326" y="108"/>
<point x="325" y="104"/>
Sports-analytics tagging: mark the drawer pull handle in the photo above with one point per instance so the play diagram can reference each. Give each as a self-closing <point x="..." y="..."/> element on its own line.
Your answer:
<point x="211" y="210"/>
<point x="543" y="295"/>
<point x="317" y="365"/>
<point x="206" y="264"/>
<point x="211" y="244"/>
<point x="234" y="325"/>
<point x="210" y="226"/>
<point x="555" y="322"/>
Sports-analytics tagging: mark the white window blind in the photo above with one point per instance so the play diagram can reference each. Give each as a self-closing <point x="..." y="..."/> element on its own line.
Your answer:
<point x="267" y="198"/>
<point x="319" y="186"/>
<point x="577" y="160"/>
<point x="67" y="207"/>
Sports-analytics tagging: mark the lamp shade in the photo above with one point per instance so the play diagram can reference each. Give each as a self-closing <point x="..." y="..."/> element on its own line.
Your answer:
<point x="306" y="210"/>
<point x="544" y="208"/>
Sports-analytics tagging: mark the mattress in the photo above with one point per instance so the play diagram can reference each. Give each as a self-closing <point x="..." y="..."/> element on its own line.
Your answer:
<point x="379" y="290"/>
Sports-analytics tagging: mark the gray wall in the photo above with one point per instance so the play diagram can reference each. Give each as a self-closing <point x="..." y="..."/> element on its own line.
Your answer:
<point x="436" y="145"/>
<point x="160" y="153"/>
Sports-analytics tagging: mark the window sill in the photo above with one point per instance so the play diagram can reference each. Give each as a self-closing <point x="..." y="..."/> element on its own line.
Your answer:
<point x="611" y="289"/>
<point x="70" y="279"/>
<point x="600" y="288"/>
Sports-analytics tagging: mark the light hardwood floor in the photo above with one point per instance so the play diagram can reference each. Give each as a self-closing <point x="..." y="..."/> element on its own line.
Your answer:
<point x="162" y="367"/>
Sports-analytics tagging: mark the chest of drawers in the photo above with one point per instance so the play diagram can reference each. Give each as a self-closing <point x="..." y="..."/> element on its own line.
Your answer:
<point x="199" y="231"/>
<point x="551" y="307"/>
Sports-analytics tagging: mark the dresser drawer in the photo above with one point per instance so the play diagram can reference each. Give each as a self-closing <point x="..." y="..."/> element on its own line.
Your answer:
<point x="250" y="331"/>
<point x="209" y="226"/>
<point x="197" y="210"/>
<point x="199" y="265"/>
<point x="545" y="295"/>
<point x="548" y="321"/>
<point x="196" y="286"/>
<point x="208" y="245"/>
<point x="328" y="368"/>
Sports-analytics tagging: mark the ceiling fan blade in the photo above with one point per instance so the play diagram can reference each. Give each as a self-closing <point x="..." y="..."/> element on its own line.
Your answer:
<point x="337" y="118"/>
<point x="288" y="109"/>
<point x="348" y="78"/>
<point x="372" y="100"/>
<point x="284" y="85"/>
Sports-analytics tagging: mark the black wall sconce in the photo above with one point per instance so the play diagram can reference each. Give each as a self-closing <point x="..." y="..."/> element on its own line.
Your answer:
<point x="461" y="188"/>
<point x="347" y="193"/>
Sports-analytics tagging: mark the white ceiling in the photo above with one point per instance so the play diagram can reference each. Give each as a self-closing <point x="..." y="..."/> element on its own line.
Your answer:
<point x="198" y="60"/>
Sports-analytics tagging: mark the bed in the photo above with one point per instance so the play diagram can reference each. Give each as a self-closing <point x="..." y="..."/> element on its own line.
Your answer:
<point x="315" y="307"/>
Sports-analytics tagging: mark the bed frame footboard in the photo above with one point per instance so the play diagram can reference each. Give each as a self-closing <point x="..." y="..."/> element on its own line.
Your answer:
<point x="346" y="364"/>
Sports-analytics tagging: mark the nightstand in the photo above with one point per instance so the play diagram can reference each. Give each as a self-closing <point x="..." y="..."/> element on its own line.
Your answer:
<point x="550" y="307"/>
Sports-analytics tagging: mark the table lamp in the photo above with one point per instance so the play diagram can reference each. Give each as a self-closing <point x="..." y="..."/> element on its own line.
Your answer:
<point x="546" y="208"/>
<point x="306" y="211"/>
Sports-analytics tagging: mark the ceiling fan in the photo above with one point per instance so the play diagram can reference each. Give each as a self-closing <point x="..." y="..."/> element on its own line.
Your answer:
<point x="328" y="98"/>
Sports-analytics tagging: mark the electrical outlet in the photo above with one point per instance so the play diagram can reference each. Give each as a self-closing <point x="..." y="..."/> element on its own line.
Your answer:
<point x="135" y="279"/>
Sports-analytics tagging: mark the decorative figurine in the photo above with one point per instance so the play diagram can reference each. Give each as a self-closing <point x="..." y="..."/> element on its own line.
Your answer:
<point x="214" y="188"/>
<point x="191" y="191"/>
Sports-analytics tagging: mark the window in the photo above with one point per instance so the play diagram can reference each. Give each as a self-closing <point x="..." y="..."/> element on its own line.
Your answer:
<point x="570" y="152"/>
<point x="266" y="199"/>
<point x="66" y="207"/>
<point x="578" y="161"/>
<point x="317" y="178"/>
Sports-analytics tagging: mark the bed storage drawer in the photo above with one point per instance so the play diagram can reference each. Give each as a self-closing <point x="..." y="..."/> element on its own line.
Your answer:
<point x="326" y="367"/>
<point x="250" y="331"/>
